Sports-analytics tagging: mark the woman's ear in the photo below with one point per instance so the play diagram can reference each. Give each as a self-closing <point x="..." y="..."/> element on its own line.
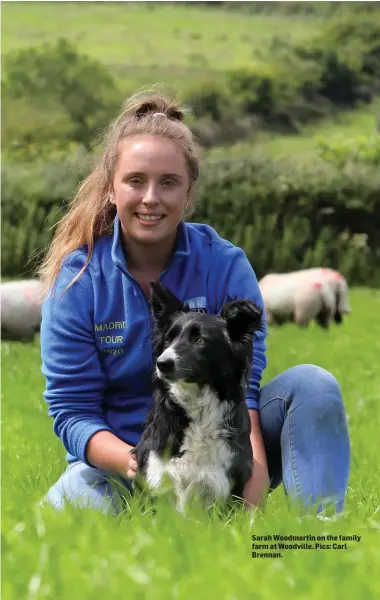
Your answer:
<point x="189" y="206"/>
<point x="111" y="195"/>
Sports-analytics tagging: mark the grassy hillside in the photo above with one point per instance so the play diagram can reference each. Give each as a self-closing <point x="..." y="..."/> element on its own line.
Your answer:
<point x="146" y="42"/>
<point x="345" y="125"/>
<point x="84" y="555"/>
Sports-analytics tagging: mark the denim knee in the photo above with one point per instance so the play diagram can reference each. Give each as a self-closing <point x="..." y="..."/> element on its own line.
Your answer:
<point x="318" y="392"/>
<point x="312" y="380"/>
<point x="305" y="434"/>
<point x="304" y="382"/>
<point x="84" y="486"/>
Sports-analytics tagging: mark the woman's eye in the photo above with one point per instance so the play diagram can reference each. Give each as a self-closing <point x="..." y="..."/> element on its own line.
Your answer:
<point x="168" y="183"/>
<point x="134" y="181"/>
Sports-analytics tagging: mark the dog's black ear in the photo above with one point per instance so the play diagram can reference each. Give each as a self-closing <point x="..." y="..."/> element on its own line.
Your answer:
<point x="243" y="318"/>
<point x="164" y="302"/>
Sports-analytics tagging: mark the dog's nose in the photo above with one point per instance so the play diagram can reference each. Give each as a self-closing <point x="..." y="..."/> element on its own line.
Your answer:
<point x="166" y="366"/>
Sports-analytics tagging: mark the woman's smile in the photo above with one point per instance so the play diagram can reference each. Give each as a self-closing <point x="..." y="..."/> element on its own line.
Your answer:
<point x="149" y="220"/>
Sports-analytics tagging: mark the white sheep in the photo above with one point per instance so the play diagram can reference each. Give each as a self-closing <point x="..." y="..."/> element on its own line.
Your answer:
<point x="301" y="296"/>
<point x="337" y="284"/>
<point x="20" y="309"/>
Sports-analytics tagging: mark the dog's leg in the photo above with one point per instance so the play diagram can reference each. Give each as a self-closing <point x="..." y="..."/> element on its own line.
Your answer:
<point x="183" y="492"/>
<point x="155" y="470"/>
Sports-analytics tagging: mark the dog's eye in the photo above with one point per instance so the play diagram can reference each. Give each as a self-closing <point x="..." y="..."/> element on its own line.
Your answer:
<point x="172" y="334"/>
<point x="195" y="335"/>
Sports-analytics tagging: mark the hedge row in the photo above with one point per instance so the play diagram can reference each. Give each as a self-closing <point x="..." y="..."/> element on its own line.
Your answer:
<point x="284" y="216"/>
<point x="288" y="216"/>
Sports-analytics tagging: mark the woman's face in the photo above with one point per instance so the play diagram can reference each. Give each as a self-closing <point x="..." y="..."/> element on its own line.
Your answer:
<point x="150" y="189"/>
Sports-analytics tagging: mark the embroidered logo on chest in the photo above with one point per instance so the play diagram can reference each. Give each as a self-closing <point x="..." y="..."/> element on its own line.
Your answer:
<point x="198" y="304"/>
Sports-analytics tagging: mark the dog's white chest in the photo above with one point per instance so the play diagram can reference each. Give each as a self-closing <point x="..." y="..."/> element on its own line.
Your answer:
<point x="206" y="457"/>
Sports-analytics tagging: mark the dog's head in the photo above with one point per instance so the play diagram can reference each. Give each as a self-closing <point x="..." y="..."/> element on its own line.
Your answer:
<point x="201" y="348"/>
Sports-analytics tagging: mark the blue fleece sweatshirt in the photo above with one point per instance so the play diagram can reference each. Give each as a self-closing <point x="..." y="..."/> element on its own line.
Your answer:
<point x="96" y="337"/>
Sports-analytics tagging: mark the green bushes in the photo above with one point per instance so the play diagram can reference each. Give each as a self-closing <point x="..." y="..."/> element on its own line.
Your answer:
<point x="34" y="195"/>
<point x="347" y="53"/>
<point x="317" y="9"/>
<point x="208" y="99"/>
<point x="77" y="94"/>
<point x="363" y="149"/>
<point x="54" y="92"/>
<point x="284" y="216"/>
<point x="280" y="102"/>
<point x="289" y="85"/>
<point x="254" y="89"/>
<point x="288" y="217"/>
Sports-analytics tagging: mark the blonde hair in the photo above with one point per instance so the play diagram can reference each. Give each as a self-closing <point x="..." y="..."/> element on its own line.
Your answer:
<point x="90" y="215"/>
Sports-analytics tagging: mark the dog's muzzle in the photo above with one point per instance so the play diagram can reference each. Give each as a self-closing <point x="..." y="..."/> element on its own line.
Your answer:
<point x="166" y="367"/>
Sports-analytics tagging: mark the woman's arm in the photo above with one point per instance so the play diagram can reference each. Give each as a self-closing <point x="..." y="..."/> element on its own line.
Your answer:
<point x="256" y="489"/>
<point x="107" y="452"/>
<point x="75" y="380"/>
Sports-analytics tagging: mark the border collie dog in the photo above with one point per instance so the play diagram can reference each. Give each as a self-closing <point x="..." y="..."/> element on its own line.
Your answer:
<point x="198" y="429"/>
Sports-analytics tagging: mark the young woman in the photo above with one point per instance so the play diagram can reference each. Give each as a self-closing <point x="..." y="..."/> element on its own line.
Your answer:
<point x="125" y="228"/>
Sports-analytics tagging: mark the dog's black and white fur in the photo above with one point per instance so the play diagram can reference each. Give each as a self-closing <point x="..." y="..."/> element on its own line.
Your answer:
<point x="198" y="429"/>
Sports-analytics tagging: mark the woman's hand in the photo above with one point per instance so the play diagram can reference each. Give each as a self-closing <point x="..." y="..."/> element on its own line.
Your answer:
<point x="109" y="453"/>
<point x="132" y="467"/>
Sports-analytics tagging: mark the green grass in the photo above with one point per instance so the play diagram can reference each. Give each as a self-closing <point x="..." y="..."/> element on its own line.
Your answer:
<point x="348" y="124"/>
<point x="345" y="125"/>
<point x="146" y="43"/>
<point x="80" y="554"/>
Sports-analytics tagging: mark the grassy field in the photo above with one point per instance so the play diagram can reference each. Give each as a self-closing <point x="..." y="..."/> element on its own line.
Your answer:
<point x="84" y="555"/>
<point x="145" y="43"/>
<point x="350" y="124"/>
<point x="345" y="125"/>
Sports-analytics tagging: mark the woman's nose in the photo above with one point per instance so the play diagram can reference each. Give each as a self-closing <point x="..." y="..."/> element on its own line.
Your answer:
<point x="151" y="195"/>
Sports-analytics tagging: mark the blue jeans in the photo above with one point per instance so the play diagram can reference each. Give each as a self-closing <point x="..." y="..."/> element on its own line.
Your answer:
<point x="305" y="435"/>
<point x="306" y="440"/>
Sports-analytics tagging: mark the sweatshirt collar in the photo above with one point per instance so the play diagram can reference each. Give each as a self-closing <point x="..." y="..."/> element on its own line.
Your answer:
<point x="182" y="247"/>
